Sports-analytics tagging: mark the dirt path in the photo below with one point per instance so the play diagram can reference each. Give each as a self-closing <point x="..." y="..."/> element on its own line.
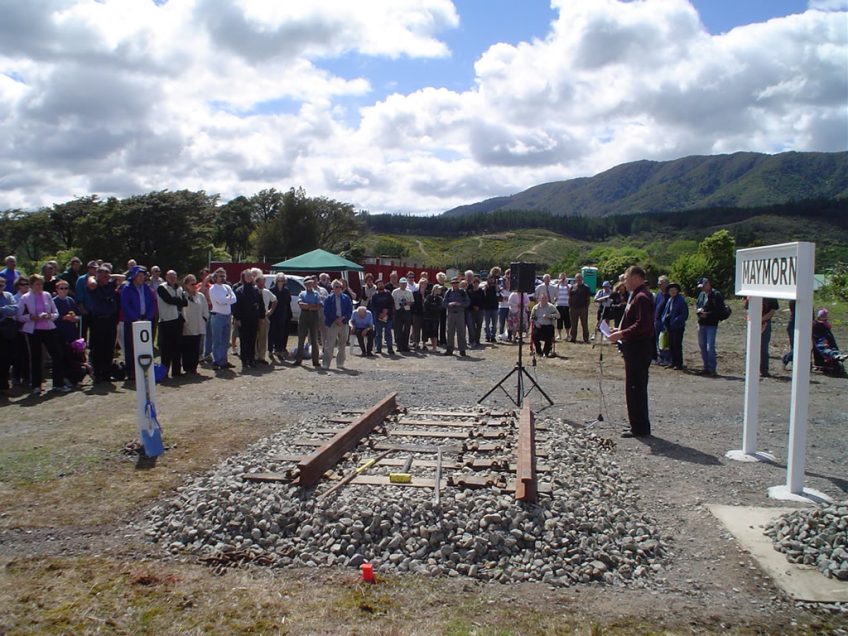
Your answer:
<point x="421" y="248"/>
<point x="535" y="248"/>
<point x="71" y="506"/>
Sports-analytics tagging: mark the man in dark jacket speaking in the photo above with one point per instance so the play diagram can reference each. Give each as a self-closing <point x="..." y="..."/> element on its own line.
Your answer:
<point x="638" y="345"/>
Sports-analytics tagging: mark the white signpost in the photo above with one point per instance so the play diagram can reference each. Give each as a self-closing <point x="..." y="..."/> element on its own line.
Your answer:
<point x="145" y="384"/>
<point x="785" y="272"/>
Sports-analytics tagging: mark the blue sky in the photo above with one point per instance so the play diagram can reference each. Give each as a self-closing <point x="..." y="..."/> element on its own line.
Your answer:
<point x="487" y="22"/>
<point x="402" y="105"/>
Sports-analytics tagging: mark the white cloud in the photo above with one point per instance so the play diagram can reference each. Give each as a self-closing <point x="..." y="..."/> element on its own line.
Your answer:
<point x="828" y="5"/>
<point x="123" y="96"/>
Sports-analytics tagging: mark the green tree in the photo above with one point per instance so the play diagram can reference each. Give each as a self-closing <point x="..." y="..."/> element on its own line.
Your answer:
<point x="65" y="217"/>
<point x="169" y="229"/>
<point x="293" y="231"/>
<point x="388" y="246"/>
<point x="29" y="236"/>
<point x="612" y="261"/>
<point x="837" y="283"/>
<point x="266" y="205"/>
<point x="687" y="269"/>
<point x="719" y="250"/>
<point x="338" y="224"/>
<point x="234" y="222"/>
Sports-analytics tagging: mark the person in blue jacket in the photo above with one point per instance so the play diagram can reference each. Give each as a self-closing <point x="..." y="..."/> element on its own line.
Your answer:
<point x="675" y="315"/>
<point x="338" y="309"/>
<point x="138" y="302"/>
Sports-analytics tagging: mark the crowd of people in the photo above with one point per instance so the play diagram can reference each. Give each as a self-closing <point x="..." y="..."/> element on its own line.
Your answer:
<point x="82" y="318"/>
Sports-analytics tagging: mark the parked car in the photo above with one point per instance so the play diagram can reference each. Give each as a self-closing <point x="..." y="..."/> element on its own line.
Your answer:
<point x="295" y="286"/>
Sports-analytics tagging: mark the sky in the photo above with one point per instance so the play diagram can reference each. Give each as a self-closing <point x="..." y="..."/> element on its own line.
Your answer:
<point x="411" y="106"/>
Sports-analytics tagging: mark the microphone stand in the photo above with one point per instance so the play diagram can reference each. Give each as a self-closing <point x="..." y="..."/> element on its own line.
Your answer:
<point x="519" y="369"/>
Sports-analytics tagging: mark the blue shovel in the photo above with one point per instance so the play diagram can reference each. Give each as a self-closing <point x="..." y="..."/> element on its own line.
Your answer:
<point x="151" y="435"/>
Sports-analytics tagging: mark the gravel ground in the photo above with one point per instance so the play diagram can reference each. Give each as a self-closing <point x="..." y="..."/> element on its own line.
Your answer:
<point x="588" y="530"/>
<point x="667" y="479"/>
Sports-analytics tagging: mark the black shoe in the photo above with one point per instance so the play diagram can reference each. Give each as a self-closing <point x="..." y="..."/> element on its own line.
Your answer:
<point x="390" y="351"/>
<point x="449" y="352"/>
<point x="462" y="353"/>
<point x="297" y="363"/>
<point x="629" y="434"/>
<point x="230" y="365"/>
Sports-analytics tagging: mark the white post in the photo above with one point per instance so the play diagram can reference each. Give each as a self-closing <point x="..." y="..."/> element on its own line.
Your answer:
<point x="794" y="489"/>
<point x="800" y="375"/>
<point x="143" y="345"/>
<point x="752" y="376"/>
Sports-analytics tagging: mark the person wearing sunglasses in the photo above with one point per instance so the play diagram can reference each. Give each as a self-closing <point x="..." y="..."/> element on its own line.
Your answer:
<point x="69" y="313"/>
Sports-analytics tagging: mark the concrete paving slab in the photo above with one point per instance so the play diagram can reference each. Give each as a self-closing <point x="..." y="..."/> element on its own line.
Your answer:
<point x="801" y="582"/>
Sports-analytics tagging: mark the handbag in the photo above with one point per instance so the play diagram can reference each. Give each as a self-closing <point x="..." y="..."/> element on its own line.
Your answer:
<point x="663" y="341"/>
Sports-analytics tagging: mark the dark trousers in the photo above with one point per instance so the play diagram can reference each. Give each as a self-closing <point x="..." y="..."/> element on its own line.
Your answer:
<point x="104" y="330"/>
<point x="543" y="333"/>
<point x="443" y="327"/>
<point x="637" y="362"/>
<point x="7" y="350"/>
<point x="278" y="335"/>
<point x="129" y="350"/>
<point x="675" y="346"/>
<point x="564" y="320"/>
<point x="363" y="336"/>
<point x="49" y="339"/>
<point x="579" y="317"/>
<point x="20" y="359"/>
<point x="85" y="320"/>
<point x="170" y="336"/>
<point x="190" y="353"/>
<point x="402" y="323"/>
<point x="474" y="320"/>
<point x="307" y="326"/>
<point x="765" y="340"/>
<point x="248" y="328"/>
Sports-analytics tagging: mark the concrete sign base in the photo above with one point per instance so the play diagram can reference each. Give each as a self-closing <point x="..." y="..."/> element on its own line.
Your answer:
<point x="742" y="456"/>
<point x="801" y="582"/>
<point x="807" y="495"/>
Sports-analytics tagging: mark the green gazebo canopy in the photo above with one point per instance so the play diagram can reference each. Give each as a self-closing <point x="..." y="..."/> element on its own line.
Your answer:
<point x="319" y="261"/>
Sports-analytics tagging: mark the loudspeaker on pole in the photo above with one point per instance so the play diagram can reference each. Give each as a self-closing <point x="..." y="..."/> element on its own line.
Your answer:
<point x="522" y="277"/>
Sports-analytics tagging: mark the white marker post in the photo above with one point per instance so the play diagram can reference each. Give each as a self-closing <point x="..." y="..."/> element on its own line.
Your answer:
<point x="143" y="345"/>
<point x="785" y="272"/>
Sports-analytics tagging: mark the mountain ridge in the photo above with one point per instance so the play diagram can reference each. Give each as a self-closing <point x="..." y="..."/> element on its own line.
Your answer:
<point x="741" y="179"/>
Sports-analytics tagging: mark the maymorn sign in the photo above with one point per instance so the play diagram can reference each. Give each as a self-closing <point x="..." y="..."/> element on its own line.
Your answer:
<point x="772" y="271"/>
<point x="779" y="271"/>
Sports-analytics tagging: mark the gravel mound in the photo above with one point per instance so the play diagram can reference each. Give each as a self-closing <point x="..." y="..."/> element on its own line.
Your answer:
<point x="816" y="537"/>
<point x="589" y="530"/>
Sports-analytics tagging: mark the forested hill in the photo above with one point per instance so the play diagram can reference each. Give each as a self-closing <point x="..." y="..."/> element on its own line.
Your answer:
<point x="739" y="180"/>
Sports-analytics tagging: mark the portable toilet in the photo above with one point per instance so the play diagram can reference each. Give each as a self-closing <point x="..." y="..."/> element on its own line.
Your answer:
<point x="590" y="277"/>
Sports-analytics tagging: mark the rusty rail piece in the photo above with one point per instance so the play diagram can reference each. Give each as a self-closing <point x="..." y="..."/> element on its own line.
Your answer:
<point x="331" y="451"/>
<point x="526" y="487"/>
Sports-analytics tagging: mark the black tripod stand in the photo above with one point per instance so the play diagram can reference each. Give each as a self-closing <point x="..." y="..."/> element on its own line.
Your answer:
<point x="519" y="370"/>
